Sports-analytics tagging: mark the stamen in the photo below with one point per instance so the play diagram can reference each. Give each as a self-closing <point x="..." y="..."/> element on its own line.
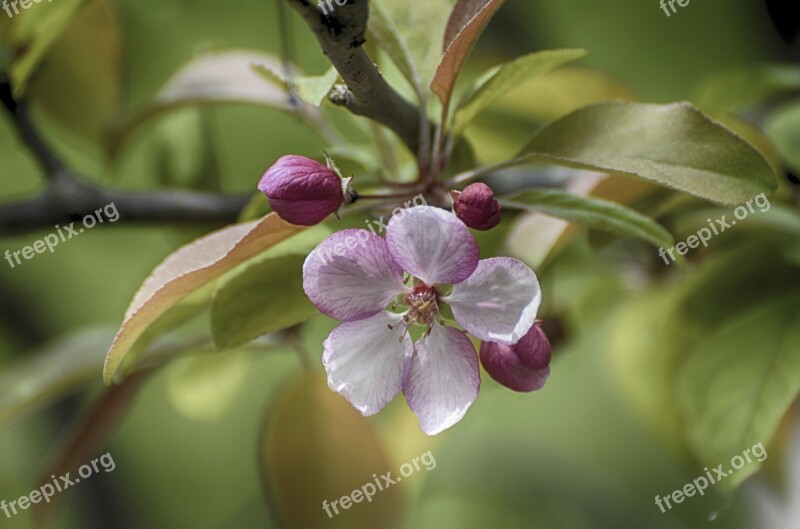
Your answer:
<point x="422" y="307"/>
<point x="405" y="332"/>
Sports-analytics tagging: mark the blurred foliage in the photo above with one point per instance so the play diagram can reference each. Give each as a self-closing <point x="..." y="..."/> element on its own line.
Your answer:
<point x="662" y="370"/>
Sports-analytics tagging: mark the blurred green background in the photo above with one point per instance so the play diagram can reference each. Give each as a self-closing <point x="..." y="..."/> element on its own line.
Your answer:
<point x="573" y="455"/>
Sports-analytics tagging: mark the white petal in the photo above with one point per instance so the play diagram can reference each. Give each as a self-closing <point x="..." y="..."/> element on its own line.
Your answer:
<point x="366" y="362"/>
<point x="432" y="244"/>
<point x="443" y="380"/>
<point x="498" y="303"/>
<point x="351" y="275"/>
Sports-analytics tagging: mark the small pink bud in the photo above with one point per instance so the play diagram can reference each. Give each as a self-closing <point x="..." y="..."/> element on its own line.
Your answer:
<point x="522" y="367"/>
<point x="303" y="191"/>
<point x="476" y="206"/>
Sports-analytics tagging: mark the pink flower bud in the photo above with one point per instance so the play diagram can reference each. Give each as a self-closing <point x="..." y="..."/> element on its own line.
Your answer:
<point x="476" y="207"/>
<point x="522" y="367"/>
<point x="303" y="191"/>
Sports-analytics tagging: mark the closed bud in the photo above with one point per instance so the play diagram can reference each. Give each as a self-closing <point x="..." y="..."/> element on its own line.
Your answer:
<point x="476" y="207"/>
<point x="303" y="191"/>
<point x="524" y="366"/>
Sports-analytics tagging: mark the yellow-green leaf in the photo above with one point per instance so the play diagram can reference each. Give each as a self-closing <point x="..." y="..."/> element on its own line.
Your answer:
<point x="202" y="388"/>
<point x="33" y="33"/>
<point x="421" y="24"/>
<point x="316" y="448"/>
<point x="508" y="76"/>
<point x="80" y="83"/>
<point x="310" y="88"/>
<point x="383" y="29"/>
<point x="739" y="381"/>
<point x="265" y="297"/>
<point x="558" y="92"/>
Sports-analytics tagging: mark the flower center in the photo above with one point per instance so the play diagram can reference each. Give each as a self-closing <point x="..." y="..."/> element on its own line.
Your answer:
<point x="422" y="307"/>
<point x="423" y="304"/>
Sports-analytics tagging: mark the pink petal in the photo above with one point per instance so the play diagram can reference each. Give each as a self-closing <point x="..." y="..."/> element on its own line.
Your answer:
<point x="432" y="244"/>
<point x="443" y="380"/>
<point x="497" y="303"/>
<point x="366" y="362"/>
<point x="351" y="275"/>
<point x="521" y="367"/>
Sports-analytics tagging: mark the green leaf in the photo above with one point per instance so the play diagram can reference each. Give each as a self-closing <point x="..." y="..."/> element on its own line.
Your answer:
<point x="316" y="447"/>
<point x="34" y="31"/>
<point x="755" y="135"/>
<point x="594" y="213"/>
<point x="739" y="381"/>
<point x="188" y="269"/>
<point x="739" y="87"/>
<point x="508" y="76"/>
<point x="310" y="88"/>
<point x="673" y="145"/>
<point x="558" y="92"/>
<point x="265" y="297"/>
<point x="421" y="24"/>
<point x="783" y="126"/>
<point x="465" y="25"/>
<point x="265" y="294"/>
<point x="384" y="31"/>
<point x="654" y="335"/>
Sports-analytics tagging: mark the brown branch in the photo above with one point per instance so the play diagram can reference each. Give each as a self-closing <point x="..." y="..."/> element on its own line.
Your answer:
<point x="68" y="197"/>
<point x="341" y="34"/>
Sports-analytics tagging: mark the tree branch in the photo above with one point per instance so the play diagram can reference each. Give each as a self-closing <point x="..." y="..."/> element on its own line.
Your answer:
<point x="341" y="35"/>
<point x="69" y="198"/>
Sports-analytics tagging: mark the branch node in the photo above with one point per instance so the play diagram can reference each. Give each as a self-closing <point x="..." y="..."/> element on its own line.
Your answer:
<point x="342" y="96"/>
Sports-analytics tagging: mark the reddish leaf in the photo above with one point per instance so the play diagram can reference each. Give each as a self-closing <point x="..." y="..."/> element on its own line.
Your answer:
<point x="188" y="269"/>
<point x="467" y="22"/>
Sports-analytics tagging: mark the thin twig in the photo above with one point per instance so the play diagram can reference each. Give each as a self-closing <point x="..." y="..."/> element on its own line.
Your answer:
<point x="69" y="197"/>
<point x="29" y="135"/>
